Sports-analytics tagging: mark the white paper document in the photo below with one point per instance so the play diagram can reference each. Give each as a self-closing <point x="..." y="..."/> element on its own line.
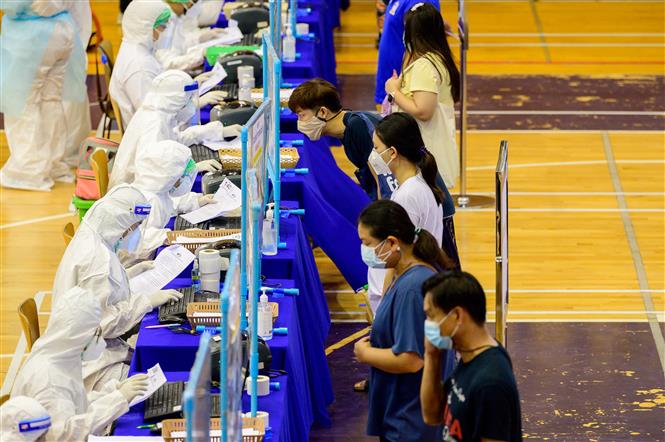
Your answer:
<point x="218" y="74"/>
<point x="156" y="379"/>
<point x="206" y="240"/>
<point x="168" y="264"/>
<point x="228" y="198"/>
<point x="231" y="36"/>
<point x="216" y="145"/>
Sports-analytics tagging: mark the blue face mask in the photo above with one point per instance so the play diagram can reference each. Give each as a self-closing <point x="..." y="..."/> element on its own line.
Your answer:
<point x="433" y="334"/>
<point x="370" y="257"/>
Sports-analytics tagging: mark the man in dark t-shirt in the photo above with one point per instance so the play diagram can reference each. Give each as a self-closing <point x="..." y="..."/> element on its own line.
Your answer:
<point x="480" y="401"/>
<point x="317" y="104"/>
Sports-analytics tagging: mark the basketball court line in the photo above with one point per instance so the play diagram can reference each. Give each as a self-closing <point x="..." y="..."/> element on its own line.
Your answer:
<point x="635" y="252"/>
<point x="36" y="220"/>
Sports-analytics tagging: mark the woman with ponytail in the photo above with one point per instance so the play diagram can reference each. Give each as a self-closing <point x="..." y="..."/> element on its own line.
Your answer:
<point x="395" y="348"/>
<point x="399" y="150"/>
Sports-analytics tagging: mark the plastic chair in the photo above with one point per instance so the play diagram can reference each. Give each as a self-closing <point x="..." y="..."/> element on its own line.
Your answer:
<point x="4" y="398"/>
<point x="118" y="116"/>
<point x="369" y="314"/>
<point x="68" y="233"/>
<point x="27" y="313"/>
<point x="100" y="165"/>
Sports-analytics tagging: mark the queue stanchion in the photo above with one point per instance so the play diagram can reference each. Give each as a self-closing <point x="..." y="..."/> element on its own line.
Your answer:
<point x="501" y="253"/>
<point x="464" y="199"/>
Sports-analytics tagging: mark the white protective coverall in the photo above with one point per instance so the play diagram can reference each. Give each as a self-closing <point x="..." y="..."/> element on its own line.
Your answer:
<point x="91" y="263"/>
<point x="209" y="13"/>
<point x="43" y="62"/>
<point x="77" y="113"/>
<point x="158" y="167"/>
<point x="136" y="65"/>
<point x="174" y="43"/>
<point x="166" y="107"/>
<point x="52" y="374"/>
<point x="20" y="409"/>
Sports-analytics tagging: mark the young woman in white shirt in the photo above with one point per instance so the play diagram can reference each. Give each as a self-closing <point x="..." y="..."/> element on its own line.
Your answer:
<point x="399" y="149"/>
<point x="429" y="86"/>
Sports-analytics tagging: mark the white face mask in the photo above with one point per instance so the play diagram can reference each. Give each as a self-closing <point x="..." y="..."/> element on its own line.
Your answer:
<point x="378" y="164"/>
<point x="94" y="349"/>
<point x="312" y="128"/>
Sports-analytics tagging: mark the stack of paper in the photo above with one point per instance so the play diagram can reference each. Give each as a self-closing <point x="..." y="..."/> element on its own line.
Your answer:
<point x="168" y="264"/>
<point x="227" y="197"/>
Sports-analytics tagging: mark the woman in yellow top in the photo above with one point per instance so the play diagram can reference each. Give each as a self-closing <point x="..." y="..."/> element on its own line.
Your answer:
<point x="429" y="86"/>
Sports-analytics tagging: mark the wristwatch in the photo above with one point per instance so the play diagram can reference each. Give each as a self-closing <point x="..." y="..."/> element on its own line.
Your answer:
<point x="391" y="97"/>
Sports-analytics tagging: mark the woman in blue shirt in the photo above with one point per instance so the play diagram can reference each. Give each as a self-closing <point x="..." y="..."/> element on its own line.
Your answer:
<point x="394" y="350"/>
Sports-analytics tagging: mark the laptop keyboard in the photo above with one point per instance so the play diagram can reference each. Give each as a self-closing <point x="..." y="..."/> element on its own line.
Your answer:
<point x="166" y="402"/>
<point x="202" y="153"/>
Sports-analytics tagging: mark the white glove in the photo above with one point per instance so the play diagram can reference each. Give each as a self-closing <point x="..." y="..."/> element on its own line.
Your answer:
<point x="197" y="134"/>
<point x="208" y="166"/>
<point x="210" y="34"/>
<point x="202" y="77"/>
<point x="139" y="268"/>
<point x="204" y="200"/>
<point x="212" y="98"/>
<point x="232" y="131"/>
<point x="133" y="387"/>
<point x="161" y="297"/>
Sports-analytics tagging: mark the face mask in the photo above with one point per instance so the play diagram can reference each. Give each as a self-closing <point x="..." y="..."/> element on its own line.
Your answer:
<point x="130" y="242"/>
<point x="95" y="347"/>
<point x="312" y="128"/>
<point x="186" y="181"/>
<point x="433" y="334"/>
<point x="377" y="163"/>
<point x="370" y="257"/>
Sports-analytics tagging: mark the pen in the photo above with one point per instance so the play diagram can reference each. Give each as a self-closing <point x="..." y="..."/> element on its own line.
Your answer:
<point x="162" y="325"/>
<point x="147" y="426"/>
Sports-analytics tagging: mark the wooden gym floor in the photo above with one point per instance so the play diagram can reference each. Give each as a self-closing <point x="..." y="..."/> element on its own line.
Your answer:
<point x="577" y="89"/>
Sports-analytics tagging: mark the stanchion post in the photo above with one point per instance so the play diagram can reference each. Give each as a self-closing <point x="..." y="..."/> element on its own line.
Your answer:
<point x="501" y="252"/>
<point x="464" y="199"/>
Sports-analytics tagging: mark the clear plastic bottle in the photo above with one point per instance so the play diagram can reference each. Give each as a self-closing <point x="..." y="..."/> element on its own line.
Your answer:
<point x="196" y="277"/>
<point x="269" y="235"/>
<point x="265" y="318"/>
<point x="289" y="46"/>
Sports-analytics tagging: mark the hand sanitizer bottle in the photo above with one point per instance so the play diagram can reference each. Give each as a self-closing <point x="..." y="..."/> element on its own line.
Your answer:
<point x="265" y="318"/>
<point x="289" y="46"/>
<point x="269" y="237"/>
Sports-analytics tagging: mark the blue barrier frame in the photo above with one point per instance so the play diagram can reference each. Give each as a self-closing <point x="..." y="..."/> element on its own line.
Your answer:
<point x="251" y="159"/>
<point x="272" y="81"/>
<point x="191" y="402"/>
<point x="230" y="291"/>
<point x="275" y="7"/>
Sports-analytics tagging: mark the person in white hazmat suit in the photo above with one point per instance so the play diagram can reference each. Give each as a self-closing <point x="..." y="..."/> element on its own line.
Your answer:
<point x="43" y="63"/>
<point x="52" y="374"/>
<point x="165" y="174"/>
<point x="77" y="113"/>
<point x="90" y="262"/>
<point x="170" y="104"/>
<point x="136" y="65"/>
<point x="209" y="12"/>
<point x="176" y="46"/>
<point x="23" y="419"/>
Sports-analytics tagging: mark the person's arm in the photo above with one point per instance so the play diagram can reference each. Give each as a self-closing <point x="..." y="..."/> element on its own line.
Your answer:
<point x="431" y="391"/>
<point x="385" y="360"/>
<point x="119" y="318"/>
<point x="421" y="107"/>
<point x="424" y="83"/>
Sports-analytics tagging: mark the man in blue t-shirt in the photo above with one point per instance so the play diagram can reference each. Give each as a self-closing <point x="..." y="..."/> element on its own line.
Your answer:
<point x="391" y="46"/>
<point x="317" y="104"/>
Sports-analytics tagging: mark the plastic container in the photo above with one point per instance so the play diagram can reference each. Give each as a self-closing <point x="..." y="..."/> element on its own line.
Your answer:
<point x="265" y="318"/>
<point x="289" y="46"/>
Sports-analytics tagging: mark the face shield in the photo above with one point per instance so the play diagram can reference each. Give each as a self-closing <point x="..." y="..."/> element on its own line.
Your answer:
<point x="186" y="181"/>
<point x="190" y="113"/>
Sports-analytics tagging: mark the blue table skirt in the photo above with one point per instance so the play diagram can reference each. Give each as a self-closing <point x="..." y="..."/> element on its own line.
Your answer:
<point x="289" y="418"/>
<point x="332" y="203"/>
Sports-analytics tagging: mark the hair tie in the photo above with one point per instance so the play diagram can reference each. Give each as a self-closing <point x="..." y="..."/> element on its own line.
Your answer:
<point x="417" y="233"/>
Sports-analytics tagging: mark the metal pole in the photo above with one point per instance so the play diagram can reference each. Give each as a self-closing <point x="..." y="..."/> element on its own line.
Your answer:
<point x="464" y="199"/>
<point x="501" y="251"/>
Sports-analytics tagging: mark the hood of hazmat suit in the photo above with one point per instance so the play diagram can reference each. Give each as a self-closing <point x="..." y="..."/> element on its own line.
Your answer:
<point x="23" y="419"/>
<point x="136" y="65"/>
<point x="167" y="105"/>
